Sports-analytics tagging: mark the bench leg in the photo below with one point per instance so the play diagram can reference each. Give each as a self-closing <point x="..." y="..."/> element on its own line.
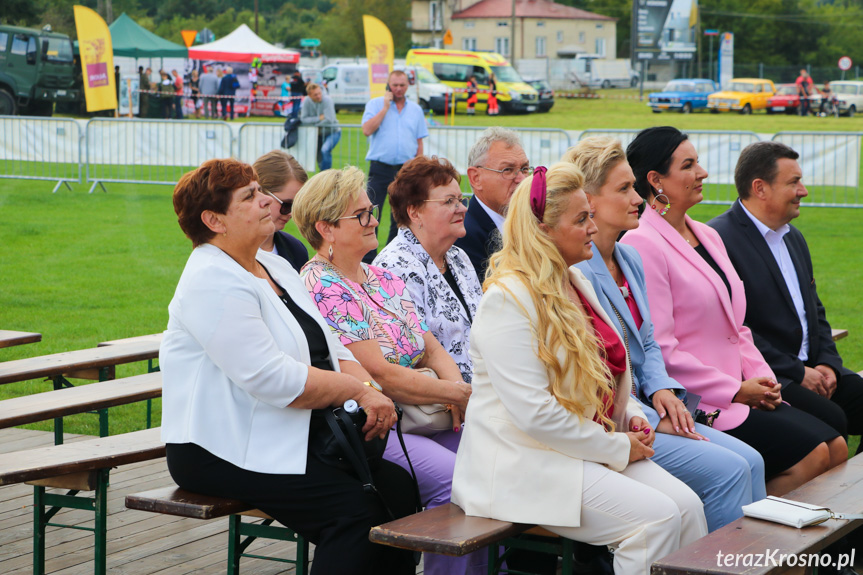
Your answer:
<point x="59" y="383"/>
<point x="98" y="504"/>
<point x="241" y="535"/>
<point x="234" y="552"/>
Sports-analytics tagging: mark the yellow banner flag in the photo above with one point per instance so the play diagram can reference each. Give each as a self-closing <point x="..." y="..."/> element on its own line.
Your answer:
<point x="97" y="60"/>
<point x="379" y="51"/>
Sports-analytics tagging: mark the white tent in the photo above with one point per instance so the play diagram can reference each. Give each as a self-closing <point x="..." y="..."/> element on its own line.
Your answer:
<point x="242" y="45"/>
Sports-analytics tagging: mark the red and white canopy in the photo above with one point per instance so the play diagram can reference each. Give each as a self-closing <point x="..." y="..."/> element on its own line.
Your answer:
<point x="242" y="45"/>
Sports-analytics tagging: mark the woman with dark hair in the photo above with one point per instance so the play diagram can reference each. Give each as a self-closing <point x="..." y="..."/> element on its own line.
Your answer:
<point x="281" y="176"/>
<point x="245" y="359"/>
<point x="428" y="206"/>
<point x="697" y="303"/>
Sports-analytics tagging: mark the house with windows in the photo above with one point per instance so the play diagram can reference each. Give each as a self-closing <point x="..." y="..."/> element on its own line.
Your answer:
<point x="540" y="29"/>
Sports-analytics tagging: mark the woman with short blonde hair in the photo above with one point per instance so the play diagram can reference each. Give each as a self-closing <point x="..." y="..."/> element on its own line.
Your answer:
<point x="551" y="394"/>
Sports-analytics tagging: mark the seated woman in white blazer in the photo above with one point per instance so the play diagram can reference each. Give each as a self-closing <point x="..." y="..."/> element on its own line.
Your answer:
<point x="553" y="436"/>
<point x="245" y="358"/>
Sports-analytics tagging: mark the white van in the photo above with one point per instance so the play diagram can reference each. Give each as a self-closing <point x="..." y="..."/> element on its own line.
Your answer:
<point x="348" y="86"/>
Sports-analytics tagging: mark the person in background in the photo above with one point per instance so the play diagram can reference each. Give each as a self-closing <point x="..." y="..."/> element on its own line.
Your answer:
<point x="144" y="89"/>
<point x="725" y="472"/>
<point x="828" y="98"/>
<point x="493" y="108"/>
<point x="178" y="95"/>
<point x="496" y="165"/>
<point x="117" y="82"/>
<point x="318" y="110"/>
<point x="195" y="90"/>
<point x="298" y="91"/>
<point x="786" y="316"/>
<point x="281" y="176"/>
<point x="395" y="127"/>
<point x="698" y="306"/>
<point x="166" y="95"/>
<point x="429" y="210"/>
<point x="228" y="90"/>
<point x="208" y="84"/>
<point x="245" y="341"/>
<point x="373" y="315"/>
<point x="554" y="437"/>
<point x="805" y="88"/>
<point x="471" y="95"/>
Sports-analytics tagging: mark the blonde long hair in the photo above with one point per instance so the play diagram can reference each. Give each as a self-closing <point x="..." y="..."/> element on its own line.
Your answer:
<point x="562" y="328"/>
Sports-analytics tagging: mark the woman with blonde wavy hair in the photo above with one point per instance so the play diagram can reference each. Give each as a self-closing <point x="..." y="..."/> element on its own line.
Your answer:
<point x="553" y="436"/>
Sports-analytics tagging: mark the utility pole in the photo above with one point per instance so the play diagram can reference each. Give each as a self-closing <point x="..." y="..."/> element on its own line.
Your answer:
<point x="256" y="18"/>
<point x="512" y="34"/>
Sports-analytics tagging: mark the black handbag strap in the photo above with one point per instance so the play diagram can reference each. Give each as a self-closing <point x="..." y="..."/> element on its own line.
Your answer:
<point x="350" y="442"/>
<point x="419" y="502"/>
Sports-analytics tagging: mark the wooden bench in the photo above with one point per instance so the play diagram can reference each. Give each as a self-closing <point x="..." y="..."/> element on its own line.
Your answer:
<point x="448" y="531"/>
<point x="839" y="489"/>
<point x="96" y="363"/>
<point x="10" y="338"/>
<point x="79" y="466"/>
<point x="176" y="501"/>
<point x="154" y="338"/>
<point x="839" y="334"/>
<point x="83" y="398"/>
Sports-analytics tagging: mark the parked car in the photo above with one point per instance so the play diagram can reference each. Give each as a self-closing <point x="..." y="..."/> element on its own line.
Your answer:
<point x="744" y="95"/>
<point x="546" y="94"/>
<point x="348" y="86"/>
<point x="787" y="100"/>
<point x="849" y="96"/>
<point x="684" y="95"/>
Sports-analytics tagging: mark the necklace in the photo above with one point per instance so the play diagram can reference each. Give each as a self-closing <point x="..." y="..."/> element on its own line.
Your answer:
<point x="442" y="268"/>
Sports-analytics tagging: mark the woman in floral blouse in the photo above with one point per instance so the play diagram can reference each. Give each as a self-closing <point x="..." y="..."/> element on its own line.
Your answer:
<point x="374" y="315"/>
<point x="427" y="205"/>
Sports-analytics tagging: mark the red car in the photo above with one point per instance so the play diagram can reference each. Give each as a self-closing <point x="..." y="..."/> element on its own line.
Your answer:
<point x="788" y="101"/>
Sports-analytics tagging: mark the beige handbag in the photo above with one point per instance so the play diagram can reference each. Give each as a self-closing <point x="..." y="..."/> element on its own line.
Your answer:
<point x="426" y="419"/>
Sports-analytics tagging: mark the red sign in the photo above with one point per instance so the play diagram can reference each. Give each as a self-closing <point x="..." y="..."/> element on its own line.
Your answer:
<point x="97" y="74"/>
<point x="845" y="63"/>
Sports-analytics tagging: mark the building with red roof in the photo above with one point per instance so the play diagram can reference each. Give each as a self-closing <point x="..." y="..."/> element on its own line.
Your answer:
<point x="539" y="29"/>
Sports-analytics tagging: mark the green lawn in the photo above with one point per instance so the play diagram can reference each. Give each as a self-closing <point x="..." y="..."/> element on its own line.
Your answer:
<point x="83" y="268"/>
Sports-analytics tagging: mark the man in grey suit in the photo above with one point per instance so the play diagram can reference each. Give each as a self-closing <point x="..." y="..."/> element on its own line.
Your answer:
<point x="783" y="310"/>
<point x="208" y="84"/>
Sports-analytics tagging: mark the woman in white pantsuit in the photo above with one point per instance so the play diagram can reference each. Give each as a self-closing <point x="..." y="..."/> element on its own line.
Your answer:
<point x="552" y="435"/>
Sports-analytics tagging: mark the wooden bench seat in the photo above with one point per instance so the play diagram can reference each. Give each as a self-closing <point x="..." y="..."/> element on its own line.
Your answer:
<point x="9" y="338"/>
<point x="96" y="363"/>
<point x="839" y="334"/>
<point x="448" y="531"/>
<point x="182" y="503"/>
<point x="839" y="489"/>
<point x="83" y="398"/>
<point x="79" y="466"/>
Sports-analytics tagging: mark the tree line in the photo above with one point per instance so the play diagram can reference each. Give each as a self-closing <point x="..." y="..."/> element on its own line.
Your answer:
<point x="774" y="32"/>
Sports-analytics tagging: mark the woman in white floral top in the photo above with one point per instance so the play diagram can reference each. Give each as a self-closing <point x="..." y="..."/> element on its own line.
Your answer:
<point x="427" y="204"/>
<point x="374" y="315"/>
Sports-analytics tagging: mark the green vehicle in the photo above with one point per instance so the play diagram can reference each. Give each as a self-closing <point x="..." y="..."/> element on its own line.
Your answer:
<point x="36" y="69"/>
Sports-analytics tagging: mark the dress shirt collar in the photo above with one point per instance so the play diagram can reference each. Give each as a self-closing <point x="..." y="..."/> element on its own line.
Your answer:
<point x="496" y="218"/>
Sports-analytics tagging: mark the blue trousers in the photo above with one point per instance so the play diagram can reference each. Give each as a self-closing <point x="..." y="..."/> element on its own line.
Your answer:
<point x="725" y="472"/>
<point x="433" y="460"/>
<point x="325" y="156"/>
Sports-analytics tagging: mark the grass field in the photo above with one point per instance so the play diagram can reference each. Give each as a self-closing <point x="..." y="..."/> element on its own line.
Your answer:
<point x="82" y="268"/>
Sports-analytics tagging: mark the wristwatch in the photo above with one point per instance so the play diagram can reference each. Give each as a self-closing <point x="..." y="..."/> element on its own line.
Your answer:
<point x="374" y="385"/>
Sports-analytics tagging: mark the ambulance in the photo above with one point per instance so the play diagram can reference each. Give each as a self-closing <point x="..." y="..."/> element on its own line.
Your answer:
<point x="454" y="67"/>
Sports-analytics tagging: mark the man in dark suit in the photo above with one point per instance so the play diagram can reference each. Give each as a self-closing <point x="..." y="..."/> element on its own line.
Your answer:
<point x="783" y="310"/>
<point x="496" y="166"/>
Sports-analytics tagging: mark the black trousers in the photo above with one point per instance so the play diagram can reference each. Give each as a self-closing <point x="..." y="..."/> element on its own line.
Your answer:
<point x="381" y="175"/>
<point x="843" y="411"/>
<point x="327" y="506"/>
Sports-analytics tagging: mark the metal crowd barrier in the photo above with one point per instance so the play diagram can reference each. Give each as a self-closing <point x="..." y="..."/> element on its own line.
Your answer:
<point x="831" y="166"/>
<point x="151" y="151"/>
<point x="718" y="151"/>
<point x="41" y="149"/>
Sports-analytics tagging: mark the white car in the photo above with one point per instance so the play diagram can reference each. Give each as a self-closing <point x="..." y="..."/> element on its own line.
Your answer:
<point x="348" y="86"/>
<point x="849" y="96"/>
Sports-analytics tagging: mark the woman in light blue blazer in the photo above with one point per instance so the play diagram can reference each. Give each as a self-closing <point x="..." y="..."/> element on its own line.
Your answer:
<point x="725" y="472"/>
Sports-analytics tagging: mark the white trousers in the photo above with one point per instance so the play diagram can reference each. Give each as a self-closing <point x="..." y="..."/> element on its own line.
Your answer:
<point x="644" y="512"/>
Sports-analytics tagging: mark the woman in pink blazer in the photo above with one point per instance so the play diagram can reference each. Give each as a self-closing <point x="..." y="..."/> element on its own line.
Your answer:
<point x="698" y="303"/>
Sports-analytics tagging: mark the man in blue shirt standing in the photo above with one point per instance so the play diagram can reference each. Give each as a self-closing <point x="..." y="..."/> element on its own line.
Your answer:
<point x="395" y="128"/>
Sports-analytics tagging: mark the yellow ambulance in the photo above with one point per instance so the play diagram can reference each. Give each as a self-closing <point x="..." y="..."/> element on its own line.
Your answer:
<point x="454" y="67"/>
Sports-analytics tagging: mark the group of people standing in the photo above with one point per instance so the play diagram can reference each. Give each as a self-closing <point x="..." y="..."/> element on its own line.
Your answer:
<point x="619" y="392"/>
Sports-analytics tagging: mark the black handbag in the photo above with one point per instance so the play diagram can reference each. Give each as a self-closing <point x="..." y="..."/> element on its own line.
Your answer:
<point x="336" y="438"/>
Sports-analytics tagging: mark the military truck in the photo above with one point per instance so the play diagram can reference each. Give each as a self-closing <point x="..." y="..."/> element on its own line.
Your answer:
<point x="37" y="68"/>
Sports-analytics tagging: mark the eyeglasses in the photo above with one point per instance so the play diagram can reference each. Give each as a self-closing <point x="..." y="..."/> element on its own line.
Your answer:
<point x="285" y="207"/>
<point x="365" y="217"/>
<point x="511" y="173"/>
<point x="452" y="202"/>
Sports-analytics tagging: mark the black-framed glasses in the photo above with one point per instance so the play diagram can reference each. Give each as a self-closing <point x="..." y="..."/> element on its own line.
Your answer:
<point x="452" y="202"/>
<point x="286" y="205"/>
<point x="365" y="216"/>
<point x="511" y="173"/>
